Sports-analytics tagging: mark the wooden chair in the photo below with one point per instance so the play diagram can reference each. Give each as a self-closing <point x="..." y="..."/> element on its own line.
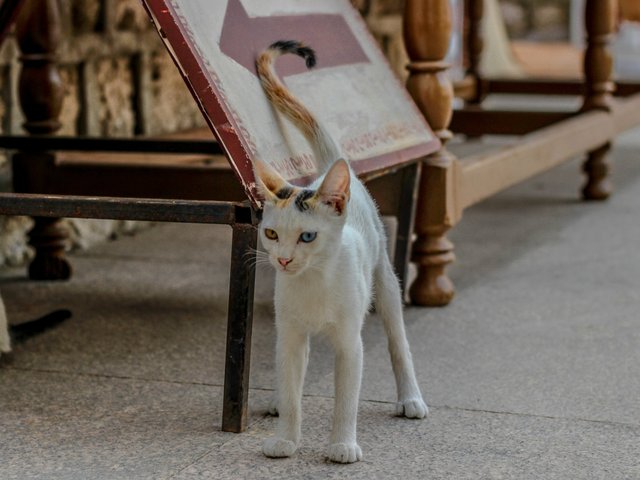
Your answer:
<point x="57" y="177"/>
<point x="544" y="138"/>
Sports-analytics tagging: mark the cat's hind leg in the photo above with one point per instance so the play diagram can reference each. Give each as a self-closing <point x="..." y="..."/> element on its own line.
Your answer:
<point x="388" y="303"/>
<point x="292" y="353"/>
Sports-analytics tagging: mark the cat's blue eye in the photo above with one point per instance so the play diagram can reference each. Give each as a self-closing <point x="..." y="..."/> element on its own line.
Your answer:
<point x="308" y="237"/>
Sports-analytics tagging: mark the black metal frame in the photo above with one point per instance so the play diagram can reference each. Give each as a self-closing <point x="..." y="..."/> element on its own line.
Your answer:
<point x="242" y="218"/>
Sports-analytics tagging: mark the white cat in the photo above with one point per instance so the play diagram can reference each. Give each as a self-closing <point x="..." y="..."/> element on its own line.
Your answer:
<point x="5" y="344"/>
<point x="328" y="246"/>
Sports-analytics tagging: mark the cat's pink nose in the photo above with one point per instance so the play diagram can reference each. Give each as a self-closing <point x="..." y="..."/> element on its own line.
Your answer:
<point x="284" y="261"/>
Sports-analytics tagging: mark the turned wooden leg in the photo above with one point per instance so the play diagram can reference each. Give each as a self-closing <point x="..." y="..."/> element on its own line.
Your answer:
<point x="600" y="18"/>
<point x="432" y="250"/>
<point x="427" y="31"/>
<point x="38" y="32"/>
<point x="596" y="167"/>
<point x="49" y="237"/>
<point x="473" y="44"/>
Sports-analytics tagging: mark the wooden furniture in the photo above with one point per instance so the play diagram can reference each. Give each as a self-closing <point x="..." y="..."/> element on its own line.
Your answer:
<point x="54" y="180"/>
<point x="630" y="10"/>
<point x="544" y="138"/>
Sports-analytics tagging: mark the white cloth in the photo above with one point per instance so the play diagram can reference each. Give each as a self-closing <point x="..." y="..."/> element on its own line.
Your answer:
<point x="497" y="60"/>
<point x="5" y="345"/>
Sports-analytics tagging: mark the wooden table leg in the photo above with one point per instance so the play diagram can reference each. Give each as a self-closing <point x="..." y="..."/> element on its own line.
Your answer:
<point x="49" y="237"/>
<point x="427" y="32"/>
<point x="38" y="32"/>
<point x="239" y="324"/>
<point x="600" y="18"/>
<point x="474" y="10"/>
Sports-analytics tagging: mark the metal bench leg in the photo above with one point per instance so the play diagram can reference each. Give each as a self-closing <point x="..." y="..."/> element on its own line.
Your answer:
<point x="405" y="215"/>
<point x="239" y="323"/>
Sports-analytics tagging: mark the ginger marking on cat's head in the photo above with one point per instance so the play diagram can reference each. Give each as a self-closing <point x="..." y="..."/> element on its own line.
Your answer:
<point x="271" y="185"/>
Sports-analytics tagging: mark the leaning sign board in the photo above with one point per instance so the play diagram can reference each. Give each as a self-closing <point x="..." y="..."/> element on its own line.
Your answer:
<point x="352" y="90"/>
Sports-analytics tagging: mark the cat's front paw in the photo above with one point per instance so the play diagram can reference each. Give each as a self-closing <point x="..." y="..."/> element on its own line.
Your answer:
<point x="412" y="408"/>
<point x="276" y="447"/>
<point x="344" y="452"/>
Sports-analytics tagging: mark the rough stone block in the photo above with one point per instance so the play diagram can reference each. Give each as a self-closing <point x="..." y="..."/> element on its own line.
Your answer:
<point x="130" y="15"/>
<point x="114" y="82"/>
<point x="85" y="15"/>
<point x="70" y="104"/>
<point x="172" y="107"/>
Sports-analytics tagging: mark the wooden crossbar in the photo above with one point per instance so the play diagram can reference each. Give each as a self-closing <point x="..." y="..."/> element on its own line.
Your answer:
<point x="486" y="174"/>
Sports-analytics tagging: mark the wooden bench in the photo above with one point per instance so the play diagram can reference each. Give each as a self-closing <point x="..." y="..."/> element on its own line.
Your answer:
<point x="542" y="139"/>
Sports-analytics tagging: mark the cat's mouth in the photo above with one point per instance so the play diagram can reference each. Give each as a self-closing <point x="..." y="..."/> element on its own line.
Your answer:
<point x="288" y="270"/>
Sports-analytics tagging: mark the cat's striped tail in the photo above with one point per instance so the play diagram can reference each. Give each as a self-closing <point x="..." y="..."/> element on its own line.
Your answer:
<point x="285" y="102"/>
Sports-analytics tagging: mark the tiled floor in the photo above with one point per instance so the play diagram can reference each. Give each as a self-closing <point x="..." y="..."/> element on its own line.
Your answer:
<point x="532" y="372"/>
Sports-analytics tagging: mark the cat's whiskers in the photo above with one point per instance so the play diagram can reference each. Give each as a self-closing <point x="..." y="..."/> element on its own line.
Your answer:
<point x="256" y="258"/>
<point x="254" y="251"/>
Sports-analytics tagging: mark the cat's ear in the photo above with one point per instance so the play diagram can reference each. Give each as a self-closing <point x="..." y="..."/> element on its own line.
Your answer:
<point x="270" y="183"/>
<point x="335" y="188"/>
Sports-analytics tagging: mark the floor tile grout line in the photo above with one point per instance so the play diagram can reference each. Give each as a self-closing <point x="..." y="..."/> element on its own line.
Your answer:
<point x="195" y="460"/>
<point x="326" y="397"/>
<point x="496" y="412"/>
<point x="107" y="376"/>
<point x="232" y="438"/>
<point x="442" y="407"/>
<point x="259" y="419"/>
<point x="537" y="415"/>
